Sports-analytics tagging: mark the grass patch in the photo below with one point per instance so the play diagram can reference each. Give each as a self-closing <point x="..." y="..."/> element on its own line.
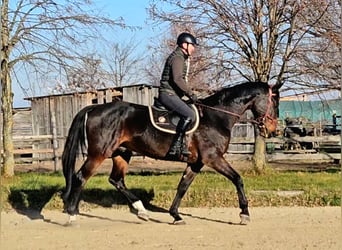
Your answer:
<point x="37" y="190"/>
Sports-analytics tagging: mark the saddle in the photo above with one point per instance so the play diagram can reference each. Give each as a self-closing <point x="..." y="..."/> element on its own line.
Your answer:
<point x="166" y="120"/>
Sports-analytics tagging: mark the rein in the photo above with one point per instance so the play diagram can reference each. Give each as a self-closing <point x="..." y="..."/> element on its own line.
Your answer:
<point x="218" y="109"/>
<point x="258" y="121"/>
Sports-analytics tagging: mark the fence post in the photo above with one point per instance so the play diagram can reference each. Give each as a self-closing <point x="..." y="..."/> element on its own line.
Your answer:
<point x="54" y="134"/>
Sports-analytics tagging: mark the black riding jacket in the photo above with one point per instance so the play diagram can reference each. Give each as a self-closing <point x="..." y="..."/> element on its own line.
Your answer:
<point x="174" y="73"/>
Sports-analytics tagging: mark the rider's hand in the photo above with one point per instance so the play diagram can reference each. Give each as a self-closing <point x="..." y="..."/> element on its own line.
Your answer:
<point x="193" y="98"/>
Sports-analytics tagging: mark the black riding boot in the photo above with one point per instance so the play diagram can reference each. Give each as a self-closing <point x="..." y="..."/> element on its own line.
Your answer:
<point x="178" y="147"/>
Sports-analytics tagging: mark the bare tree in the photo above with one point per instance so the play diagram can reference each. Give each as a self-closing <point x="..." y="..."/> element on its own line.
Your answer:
<point x="257" y="39"/>
<point x="119" y="66"/>
<point x="87" y="76"/>
<point x="123" y="64"/>
<point x="319" y="60"/>
<point x="42" y="36"/>
<point x="154" y="66"/>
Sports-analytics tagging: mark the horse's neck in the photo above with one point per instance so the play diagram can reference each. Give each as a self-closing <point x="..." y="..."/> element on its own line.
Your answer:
<point x="232" y="110"/>
<point x="237" y="105"/>
<point x="234" y="102"/>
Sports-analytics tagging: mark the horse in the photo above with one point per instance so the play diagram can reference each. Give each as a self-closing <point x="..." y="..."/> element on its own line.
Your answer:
<point x="115" y="130"/>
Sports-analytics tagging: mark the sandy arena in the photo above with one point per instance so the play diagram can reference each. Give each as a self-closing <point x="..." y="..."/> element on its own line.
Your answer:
<point x="205" y="228"/>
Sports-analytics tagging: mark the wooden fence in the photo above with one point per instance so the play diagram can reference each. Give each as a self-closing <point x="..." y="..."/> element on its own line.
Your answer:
<point x="242" y="142"/>
<point x="48" y="149"/>
<point x="40" y="133"/>
<point x="26" y="151"/>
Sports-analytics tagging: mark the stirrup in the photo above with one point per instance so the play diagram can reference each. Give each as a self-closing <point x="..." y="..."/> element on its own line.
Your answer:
<point x="174" y="152"/>
<point x="185" y="151"/>
<point x="176" y="156"/>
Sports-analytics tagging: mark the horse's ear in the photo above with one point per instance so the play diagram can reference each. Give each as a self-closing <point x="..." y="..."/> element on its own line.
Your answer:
<point x="275" y="88"/>
<point x="276" y="97"/>
<point x="275" y="91"/>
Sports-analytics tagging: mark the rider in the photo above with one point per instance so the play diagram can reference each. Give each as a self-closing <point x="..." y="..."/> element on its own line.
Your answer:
<point x="173" y="86"/>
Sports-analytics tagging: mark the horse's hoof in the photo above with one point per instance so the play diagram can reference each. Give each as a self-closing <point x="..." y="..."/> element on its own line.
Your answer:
<point x="140" y="210"/>
<point x="244" y="219"/>
<point x="72" y="218"/>
<point x="179" y="222"/>
<point x="74" y="224"/>
<point x="72" y="221"/>
<point x="143" y="216"/>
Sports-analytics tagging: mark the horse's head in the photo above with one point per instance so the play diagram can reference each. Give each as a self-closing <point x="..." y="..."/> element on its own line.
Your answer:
<point x="258" y="97"/>
<point x="265" y="112"/>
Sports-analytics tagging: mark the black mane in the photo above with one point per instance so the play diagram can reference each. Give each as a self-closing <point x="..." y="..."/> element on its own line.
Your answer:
<point x="230" y="93"/>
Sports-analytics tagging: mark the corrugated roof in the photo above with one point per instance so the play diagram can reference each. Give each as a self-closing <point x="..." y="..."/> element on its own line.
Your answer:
<point x="312" y="110"/>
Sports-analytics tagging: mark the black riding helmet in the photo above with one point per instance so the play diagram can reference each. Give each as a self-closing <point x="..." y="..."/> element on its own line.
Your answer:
<point x="186" y="38"/>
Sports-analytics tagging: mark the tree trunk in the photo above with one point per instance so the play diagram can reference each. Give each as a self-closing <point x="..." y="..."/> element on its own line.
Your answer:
<point x="6" y="95"/>
<point x="6" y="107"/>
<point x="259" y="157"/>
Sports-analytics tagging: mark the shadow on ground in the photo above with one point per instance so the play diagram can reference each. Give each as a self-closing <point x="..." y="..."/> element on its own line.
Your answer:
<point x="31" y="202"/>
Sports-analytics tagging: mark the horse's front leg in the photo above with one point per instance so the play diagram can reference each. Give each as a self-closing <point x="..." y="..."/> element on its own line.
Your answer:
<point x="224" y="168"/>
<point x="189" y="175"/>
<point x="243" y="203"/>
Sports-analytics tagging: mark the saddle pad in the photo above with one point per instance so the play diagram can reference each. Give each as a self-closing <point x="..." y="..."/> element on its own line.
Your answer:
<point x="166" y="121"/>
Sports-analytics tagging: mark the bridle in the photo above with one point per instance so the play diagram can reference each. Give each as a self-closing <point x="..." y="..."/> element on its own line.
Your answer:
<point x="259" y="121"/>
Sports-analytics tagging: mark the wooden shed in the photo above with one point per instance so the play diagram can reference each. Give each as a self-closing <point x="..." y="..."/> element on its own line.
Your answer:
<point x="52" y="115"/>
<point x="55" y="112"/>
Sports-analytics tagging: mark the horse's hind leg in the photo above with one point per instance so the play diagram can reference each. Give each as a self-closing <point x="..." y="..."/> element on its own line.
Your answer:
<point x="117" y="179"/>
<point x="87" y="170"/>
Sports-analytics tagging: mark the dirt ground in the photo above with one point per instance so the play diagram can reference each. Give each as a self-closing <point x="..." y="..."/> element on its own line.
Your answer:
<point x="205" y="228"/>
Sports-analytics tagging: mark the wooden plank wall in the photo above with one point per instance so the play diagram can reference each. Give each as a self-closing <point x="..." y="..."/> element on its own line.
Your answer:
<point x="141" y="94"/>
<point x="22" y="127"/>
<point x="242" y="140"/>
<point x="42" y="130"/>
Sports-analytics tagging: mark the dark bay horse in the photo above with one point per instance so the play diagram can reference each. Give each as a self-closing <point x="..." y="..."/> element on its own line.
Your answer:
<point x="115" y="130"/>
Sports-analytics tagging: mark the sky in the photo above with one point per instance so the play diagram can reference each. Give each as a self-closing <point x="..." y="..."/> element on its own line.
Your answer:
<point x="134" y="13"/>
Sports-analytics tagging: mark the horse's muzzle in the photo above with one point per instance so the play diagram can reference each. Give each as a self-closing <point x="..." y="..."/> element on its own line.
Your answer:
<point x="263" y="130"/>
<point x="268" y="126"/>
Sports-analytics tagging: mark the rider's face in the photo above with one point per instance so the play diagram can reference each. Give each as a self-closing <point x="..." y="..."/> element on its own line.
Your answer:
<point x="191" y="49"/>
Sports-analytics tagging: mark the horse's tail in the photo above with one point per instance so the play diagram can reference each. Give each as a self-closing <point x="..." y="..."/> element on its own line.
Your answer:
<point x="76" y="140"/>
